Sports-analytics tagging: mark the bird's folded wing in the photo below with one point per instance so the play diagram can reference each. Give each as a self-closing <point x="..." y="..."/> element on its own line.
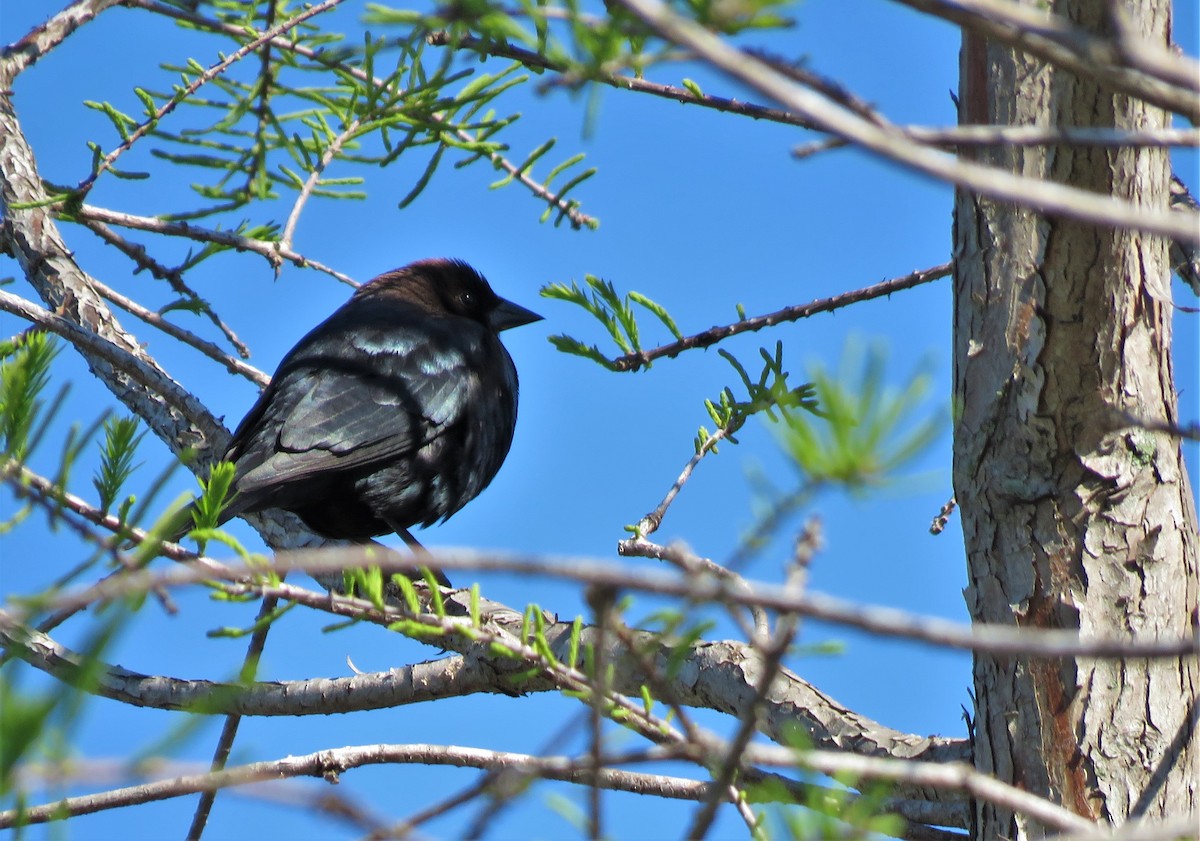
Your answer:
<point x="340" y="420"/>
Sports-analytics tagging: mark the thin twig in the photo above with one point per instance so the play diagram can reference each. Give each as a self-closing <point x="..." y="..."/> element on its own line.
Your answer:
<point x="231" y="363"/>
<point x="272" y="252"/>
<point x="975" y="136"/>
<point x="969" y="136"/>
<point x="885" y="621"/>
<point x="314" y="177"/>
<point x="888" y="142"/>
<point x="943" y="517"/>
<point x="254" y="650"/>
<point x="174" y="277"/>
<point x="707" y="338"/>
<point x="771" y="651"/>
<point x="330" y="764"/>
<point x="600" y="601"/>
<point x="529" y="58"/>
<point x="1125" y="420"/>
<point x="42" y="39"/>
<point x="651" y="522"/>
<point x="78" y="772"/>
<point x="1057" y="40"/>
<point x="692" y="564"/>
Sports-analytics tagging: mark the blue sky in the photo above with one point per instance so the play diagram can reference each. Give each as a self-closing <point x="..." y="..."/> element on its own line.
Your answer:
<point x="699" y="211"/>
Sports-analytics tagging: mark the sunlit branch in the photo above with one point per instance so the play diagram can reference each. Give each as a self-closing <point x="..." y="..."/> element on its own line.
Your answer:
<point x="230" y="363"/>
<point x="886" y="621"/>
<point x="272" y="252"/>
<point x="42" y="39"/>
<point x="93" y="346"/>
<point x="889" y="142"/>
<point x="713" y="335"/>
<point x="331" y="764"/>
<point x="174" y="277"/>
<point x="1164" y="80"/>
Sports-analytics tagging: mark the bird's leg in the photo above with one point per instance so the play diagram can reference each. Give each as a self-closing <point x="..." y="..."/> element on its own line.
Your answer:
<point x="409" y="540"/>
<point x="419" y="552"/>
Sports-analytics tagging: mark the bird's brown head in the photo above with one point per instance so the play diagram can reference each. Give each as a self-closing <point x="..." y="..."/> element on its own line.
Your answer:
<point x="443" y="286"/>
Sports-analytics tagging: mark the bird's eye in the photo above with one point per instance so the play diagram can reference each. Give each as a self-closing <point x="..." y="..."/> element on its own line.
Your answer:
<point x="466" y="300"/>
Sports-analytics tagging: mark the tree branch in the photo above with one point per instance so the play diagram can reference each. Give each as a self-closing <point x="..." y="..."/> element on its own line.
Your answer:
<point x="24" y="53"/>
<point x="272" y="252"/>
<point x="887" y="141"/>
<point x="1170" y="84"/>
<point x="709" y="337"/>
<point x="331" y="764"/>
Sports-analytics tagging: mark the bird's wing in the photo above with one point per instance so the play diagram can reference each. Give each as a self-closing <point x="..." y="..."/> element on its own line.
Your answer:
<point x="353" y="412"/>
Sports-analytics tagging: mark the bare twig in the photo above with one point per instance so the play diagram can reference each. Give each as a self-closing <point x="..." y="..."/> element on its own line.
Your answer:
<point x="709" y="337"/>
<point x="886" y="621"/>
<point x="943" y="517"/>
<point x="650" y="523"/>
<point x="314" y="177"/>
<point x="1185" y="259"/>
<point x="330" y="764"/>
<point x="600" y="601"/>
<point x="967" y="136"/>
<point x="174" y="277"/>
<point x="888" y="142"/>
<point x="298" y="795"/>
<point x="1167" y="81"/>
<point x="975" y="136"/>
<point x="231" y="363"/>
<point x="616" y="80"/>
<point x="692" y="564"/>
<point x="272" y="252"/>
<point x="258" y="641"/>
<point x="1152" y="828"/>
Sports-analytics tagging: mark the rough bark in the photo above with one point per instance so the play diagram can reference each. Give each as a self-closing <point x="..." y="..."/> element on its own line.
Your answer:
<point x="1071" y="520"/>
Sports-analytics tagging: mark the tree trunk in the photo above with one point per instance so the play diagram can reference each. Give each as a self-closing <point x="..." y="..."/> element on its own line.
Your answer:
<point x="1071" y="520"/>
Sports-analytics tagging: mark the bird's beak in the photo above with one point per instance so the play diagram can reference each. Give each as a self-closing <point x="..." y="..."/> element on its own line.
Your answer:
<point x="508" y="315"/>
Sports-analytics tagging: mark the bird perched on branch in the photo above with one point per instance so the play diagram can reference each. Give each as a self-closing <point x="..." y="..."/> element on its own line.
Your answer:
<point x="395" y="411"/>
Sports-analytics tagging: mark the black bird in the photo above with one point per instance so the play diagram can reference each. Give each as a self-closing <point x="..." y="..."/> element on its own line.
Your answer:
<point x="395" y="411"/>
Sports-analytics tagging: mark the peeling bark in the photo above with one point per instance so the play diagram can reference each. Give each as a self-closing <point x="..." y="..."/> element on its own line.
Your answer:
<point x="1073" y="520"/>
